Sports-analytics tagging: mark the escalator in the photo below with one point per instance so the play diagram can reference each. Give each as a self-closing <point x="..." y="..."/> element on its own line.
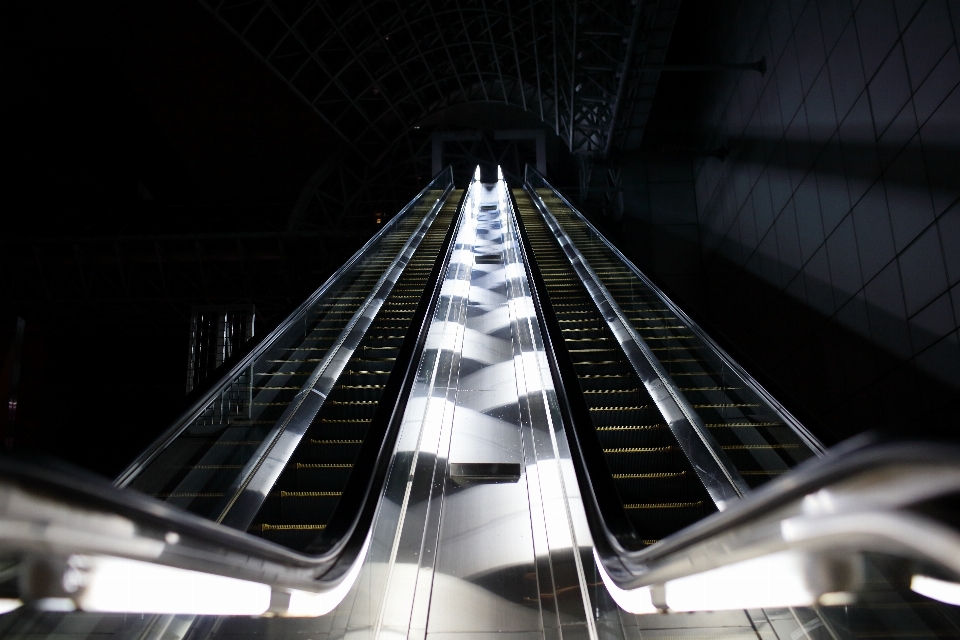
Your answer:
<point x="307" y="492"/>
<point x="653" y="481"/>
<point x="201" y="464"/>
<point x="656" y="483"/>
<point x="760" y="438"/>
<point x="489" y="421"/>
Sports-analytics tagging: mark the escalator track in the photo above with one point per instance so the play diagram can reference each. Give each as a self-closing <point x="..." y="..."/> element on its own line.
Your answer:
<point x="758" y="442"/>
<point x="305" y="497"/>
<point x="196" y="470"/>
<point x="657" y="486"/>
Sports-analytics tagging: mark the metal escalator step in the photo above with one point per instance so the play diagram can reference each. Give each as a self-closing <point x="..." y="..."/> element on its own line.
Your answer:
<point x="734" y="425"/>
<point x="749" y="447"/>
<point x="631" y="427"/>
<point x="310" y="494"/>
<point x="664" y="505"/>
<point x="726" y="405"/>
<point x="214" y="466"/>
<point x="187" y="494"/>
<point x="644" y="476"/>
<point x="652" y="475"/>
<point x="311" y="485"/>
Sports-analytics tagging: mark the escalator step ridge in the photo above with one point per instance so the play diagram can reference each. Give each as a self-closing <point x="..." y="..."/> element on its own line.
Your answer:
<point x="632" y="427"/>
<point x="664" y="505"/>
<point x="310" y="494"/>
<point x="643" y="476"/>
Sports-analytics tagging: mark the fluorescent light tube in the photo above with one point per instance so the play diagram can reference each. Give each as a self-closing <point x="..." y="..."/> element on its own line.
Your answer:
<point x="119" y="585"/>
<point x="775" y="580"/>
<point x="941" y="590"/>
<point x="9" y="604"/>
<point x="630" y="600"/>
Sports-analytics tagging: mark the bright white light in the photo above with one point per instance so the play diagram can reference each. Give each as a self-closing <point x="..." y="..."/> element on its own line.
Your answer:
<point x="304" y="603"/>
<point x="476" y="174"/>
<point x="777" y="580"/>
<point x="499" y="174"/>
<point x="631" y="600"/>
<point x="129" y="586"/>
<point x="9" y="604"/>
<point x="941" y="590"/>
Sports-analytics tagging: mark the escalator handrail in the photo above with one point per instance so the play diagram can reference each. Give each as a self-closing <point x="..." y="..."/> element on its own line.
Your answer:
<point x="808" y="438"/>
<point x="345" y="532"/>
<point x="629" y="567"/>
<point x="206" y="393"/>
<point x="78" y="491"/>
<point x="858" y="460"/>
<point x="204" y="545"/>
<point x="243" y="499"/>
<point x="709" y="461"/>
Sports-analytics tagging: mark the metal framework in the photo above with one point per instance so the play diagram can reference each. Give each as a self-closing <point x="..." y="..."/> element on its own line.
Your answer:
<point x="374" y="69"/>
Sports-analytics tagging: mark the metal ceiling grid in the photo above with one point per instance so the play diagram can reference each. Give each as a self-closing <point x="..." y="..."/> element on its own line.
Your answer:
<point x="372" y="69"/>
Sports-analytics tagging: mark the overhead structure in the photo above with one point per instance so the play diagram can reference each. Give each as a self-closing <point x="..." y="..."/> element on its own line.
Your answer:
<point x="487" y="421"/>
<point x="382" y="74"/>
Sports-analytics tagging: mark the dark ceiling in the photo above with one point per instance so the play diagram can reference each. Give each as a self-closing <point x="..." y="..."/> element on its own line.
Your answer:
<point x="155" y="152"/>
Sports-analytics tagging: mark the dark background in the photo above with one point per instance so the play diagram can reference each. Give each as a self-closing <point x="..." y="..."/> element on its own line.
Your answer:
<point x="807" y="218"/>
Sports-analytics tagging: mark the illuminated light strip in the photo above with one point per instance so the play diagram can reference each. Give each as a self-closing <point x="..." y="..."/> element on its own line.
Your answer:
<point x="9" y="604"/>
<point x="941" y="590"/>
<point x="777" y="580"/>
<point x="119" y="585"/>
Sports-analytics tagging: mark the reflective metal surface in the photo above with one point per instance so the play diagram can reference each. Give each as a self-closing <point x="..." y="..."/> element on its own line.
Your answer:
<point x="480" y="531"/>
<point x="201" y="462"/>
<point x="247" y="493"/>
<point x="721" y="479"/>
<point x="760" y="436"/>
